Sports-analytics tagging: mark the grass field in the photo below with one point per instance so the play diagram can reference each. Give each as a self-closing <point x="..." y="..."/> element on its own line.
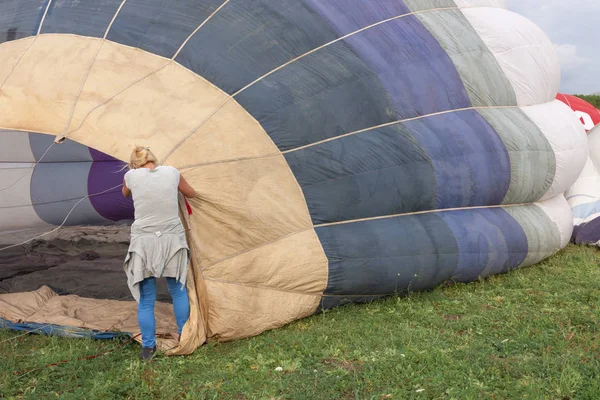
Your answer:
<point x="532" y="333"/>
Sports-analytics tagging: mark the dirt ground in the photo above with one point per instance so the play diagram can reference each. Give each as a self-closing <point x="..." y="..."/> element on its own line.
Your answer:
<point x="83" y="260"/>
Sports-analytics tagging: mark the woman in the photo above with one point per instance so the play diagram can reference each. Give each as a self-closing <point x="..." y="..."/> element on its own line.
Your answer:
<point x="158" y="246"/>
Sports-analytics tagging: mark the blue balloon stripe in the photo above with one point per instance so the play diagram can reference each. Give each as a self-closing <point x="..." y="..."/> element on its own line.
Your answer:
<point x="20" y="18"/>
<point x="379" y="172"/>
<point x="160" y="26"/>
<point x="80" y="17"/>
<point x="387" y="256"/>
<point x="443" y="161"/>
<point x="417" y="73"/>
<point x="418" y="252"/>
<point x="248" y="39"/>
<point x="350" y="16"/>
<point x="390" y="72"/>
<point x="490" y="242"/>
<point x="472" y="165"/>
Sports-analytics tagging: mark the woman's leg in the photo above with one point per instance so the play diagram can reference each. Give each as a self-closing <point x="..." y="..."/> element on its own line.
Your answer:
<point x="146" y="317"/>
<point x="181" y="303"/>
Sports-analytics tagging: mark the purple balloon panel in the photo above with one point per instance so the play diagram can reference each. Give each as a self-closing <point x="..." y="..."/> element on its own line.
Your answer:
<point x="104" y="180"/>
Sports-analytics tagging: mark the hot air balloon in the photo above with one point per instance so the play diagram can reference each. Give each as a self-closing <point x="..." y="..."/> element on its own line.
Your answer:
<point x="342" y="151"/>
<point x="584" y="196"/>
<point x="586" y="112"/>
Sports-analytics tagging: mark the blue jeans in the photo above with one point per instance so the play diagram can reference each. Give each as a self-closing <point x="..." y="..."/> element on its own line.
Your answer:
<point x="146" y="319"/>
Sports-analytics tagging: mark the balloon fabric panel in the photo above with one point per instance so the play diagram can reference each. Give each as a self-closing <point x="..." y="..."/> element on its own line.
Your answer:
<point x="20" y="18"/>
<point x="159" y="26"/>
<point x="80" y="17"/>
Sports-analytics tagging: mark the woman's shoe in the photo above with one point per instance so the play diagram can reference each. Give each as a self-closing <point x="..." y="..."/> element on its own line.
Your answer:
<point x="147" y="353"/>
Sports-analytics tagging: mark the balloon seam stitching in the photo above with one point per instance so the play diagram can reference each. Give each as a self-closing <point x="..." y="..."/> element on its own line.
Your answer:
<point x="17" y="63"/>
<point x="334" y="138"/>
<point x="296" y="232"/>
<point x="6" y="80"/>
<point x="567" y="100"/>
<point x="31" y="169"/>
<point x="85" y="78"/>
<point x="396" y="122"/>
<point x="113" y="19"/>
<point x="275" y="289"/>
<point x="113" y="96"/>
<point x="84" y="81"/>
<point x="28" y="47"/>
<point x="440" y="210"/>
<point x="65" y="133"/>
<point x="198" y="28"/>
<point x="55" y="201"/>
<point x="197" y="127"/>
<point x="363" y="220"/>
<point x="323" y="294"/>
<point x="531" y="46"/>
<point x="230" y="160"/>
<point x="43" y="18"/>
<point x="342" y="38"/>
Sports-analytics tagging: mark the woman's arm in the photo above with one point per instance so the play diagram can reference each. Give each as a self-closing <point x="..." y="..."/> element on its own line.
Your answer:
<point x="185" y="188"/>
<point x="125" y="190"/>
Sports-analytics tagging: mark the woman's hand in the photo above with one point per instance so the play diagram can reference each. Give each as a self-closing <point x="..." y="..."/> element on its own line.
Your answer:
<point x="125" y="190"/>
<point x="185" y="188"/>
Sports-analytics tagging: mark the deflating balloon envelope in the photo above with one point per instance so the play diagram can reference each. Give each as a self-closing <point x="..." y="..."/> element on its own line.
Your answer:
<point x="342" y="150"/>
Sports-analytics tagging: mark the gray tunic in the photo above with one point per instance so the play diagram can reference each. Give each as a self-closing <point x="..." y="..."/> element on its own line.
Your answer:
<point x="158" y="246"/>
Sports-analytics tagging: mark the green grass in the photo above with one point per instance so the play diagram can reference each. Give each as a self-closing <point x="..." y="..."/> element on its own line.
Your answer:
<point x="593" y="99"/>
<point x="532" y="333"/>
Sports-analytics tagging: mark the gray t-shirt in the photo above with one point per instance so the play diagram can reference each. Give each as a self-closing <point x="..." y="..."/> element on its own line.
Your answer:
<point x="158" y="246"/>
<point x="155" y="195"/>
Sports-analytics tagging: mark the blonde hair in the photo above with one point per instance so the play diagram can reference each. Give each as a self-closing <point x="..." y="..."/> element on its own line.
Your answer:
<point x="140" y="156"/>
